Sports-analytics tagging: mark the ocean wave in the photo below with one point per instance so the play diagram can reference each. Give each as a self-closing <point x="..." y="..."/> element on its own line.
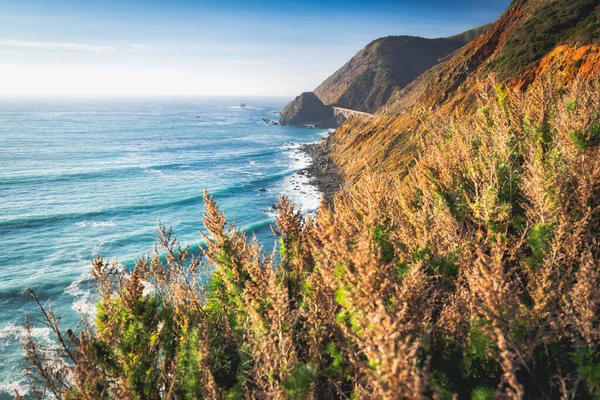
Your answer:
<point x="8" y="182"/>
<point x="10" y="387"/>
<point x="65" y="177"/>
<point x="81" y="285"/>
<point x="85" y="306"/>
<point x="258" y="225"/>
<point x="129" y="239"/>
<point x="303" y="193"/>
<point x="15" y="381"/>
<point x="299" y="187"/>
<point x="94" y="224"/>
<point x="18" y="333"/>
<point x="245" y="108"/>
<point x="154" y="171"/>
<point x="42" y="220"/>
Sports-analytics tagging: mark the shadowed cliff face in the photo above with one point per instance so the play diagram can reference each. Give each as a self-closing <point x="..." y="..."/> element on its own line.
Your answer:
<point x="305" y="109"/>
<point x="384" y="66"/>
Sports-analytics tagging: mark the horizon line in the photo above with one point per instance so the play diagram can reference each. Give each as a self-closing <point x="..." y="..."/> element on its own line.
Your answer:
<point x="124" y="95"/>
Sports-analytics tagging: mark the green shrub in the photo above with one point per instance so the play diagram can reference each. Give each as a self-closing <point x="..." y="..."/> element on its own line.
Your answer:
<point x="584" y="141"/>
<point x="539" y="240"/>
<point x="298" y="384"/>
<point x="483" y="393"/>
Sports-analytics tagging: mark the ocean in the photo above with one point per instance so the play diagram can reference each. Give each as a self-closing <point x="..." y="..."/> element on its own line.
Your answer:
<point x="81" y="177"/>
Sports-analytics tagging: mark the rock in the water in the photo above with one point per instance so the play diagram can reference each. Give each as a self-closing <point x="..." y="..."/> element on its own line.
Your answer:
<point x="270" y="121"/>
<point x="243" y="105"/>
<point x="262" y="190"/>
<point x="305" y="109"/>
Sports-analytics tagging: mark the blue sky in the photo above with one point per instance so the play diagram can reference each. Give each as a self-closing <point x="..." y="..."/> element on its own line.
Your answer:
<point x="194" y="47"/>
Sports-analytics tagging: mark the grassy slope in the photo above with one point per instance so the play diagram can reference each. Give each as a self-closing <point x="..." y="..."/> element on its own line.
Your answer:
<point x="470" y="35"/>
<point x="553" y="23"/>
<point x="387" y="142"/>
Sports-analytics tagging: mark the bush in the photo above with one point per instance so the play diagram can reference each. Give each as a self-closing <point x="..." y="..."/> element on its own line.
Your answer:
<point x="474" y="274"/>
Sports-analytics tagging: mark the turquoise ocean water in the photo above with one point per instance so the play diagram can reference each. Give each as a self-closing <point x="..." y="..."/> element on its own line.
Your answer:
<point x="86" y="177"/>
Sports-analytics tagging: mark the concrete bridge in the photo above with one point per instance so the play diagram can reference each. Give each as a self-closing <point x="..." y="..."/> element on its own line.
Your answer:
<point x="348" y="113"/>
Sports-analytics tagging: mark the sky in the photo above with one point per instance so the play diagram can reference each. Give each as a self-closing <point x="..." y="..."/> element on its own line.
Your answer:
<point x="196" y="47"/>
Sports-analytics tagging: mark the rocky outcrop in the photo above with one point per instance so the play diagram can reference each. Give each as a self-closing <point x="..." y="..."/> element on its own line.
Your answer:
<point x="305" y="109"/>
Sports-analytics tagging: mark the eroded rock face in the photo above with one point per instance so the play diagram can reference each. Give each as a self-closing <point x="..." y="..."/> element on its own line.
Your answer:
<point x="305" y="109"/>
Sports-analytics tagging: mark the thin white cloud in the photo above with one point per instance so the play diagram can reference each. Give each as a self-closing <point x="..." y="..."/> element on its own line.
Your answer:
<point x="32" y="44"/>
<point x="139" y="48"/>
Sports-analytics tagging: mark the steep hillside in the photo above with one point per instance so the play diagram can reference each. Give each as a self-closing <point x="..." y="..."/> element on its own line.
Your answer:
<point x="528" y="35"/>
<point x="531" y="40"/>
<point x="385" y="65"/>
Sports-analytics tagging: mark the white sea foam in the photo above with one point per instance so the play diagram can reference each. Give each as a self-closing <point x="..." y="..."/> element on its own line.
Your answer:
<point x="154" y="171"/>
<point x="11" y="379"/>
<point x="148" y="288"/>
<point x="84" y="303"/>
<point x="298" y="187"/>
<point x="75" y="288"/>
<point x="84" y="306"/>
<point x="18" y="333"/>
<point x="245" y="108"/>
<point x="94" y="224"/>
<point x="11" y="388"/>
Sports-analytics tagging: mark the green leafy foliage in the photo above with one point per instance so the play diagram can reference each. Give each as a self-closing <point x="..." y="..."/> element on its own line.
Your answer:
<point x="585" y="140"/>
<point x="483" y="393"/>
<point x="381" y="236"/>
<point x="297" y="385"/>
<point x="539" y="242"/>
<point x="588" y="360"/>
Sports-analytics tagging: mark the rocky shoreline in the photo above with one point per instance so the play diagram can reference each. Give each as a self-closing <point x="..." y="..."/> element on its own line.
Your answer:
<point x="323" y="172"/>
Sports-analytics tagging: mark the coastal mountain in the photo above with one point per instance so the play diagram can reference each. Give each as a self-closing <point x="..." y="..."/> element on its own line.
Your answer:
<point x="532" y="40"/>
<point x="374" y="74"/>
<point x="387" y="64"/>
